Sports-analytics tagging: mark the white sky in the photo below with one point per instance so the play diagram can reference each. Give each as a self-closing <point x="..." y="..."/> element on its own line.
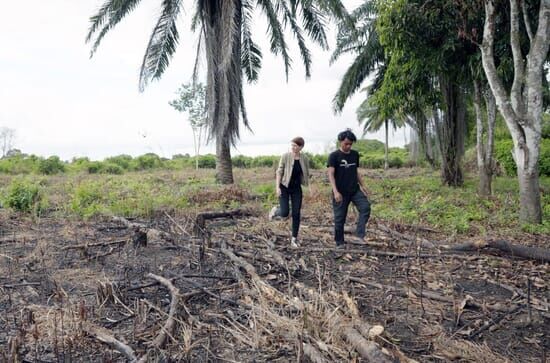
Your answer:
<point x="61" y="102"/>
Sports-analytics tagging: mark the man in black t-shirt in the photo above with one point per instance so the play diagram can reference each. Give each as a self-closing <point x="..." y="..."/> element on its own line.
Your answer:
<point x="347" y="186"/>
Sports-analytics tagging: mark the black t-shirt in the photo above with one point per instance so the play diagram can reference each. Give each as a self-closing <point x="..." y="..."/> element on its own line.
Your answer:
<point x="296" y="176"/>
<point x="345" y="171"/>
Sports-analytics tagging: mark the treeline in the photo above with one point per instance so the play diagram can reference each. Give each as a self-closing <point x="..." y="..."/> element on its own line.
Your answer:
<point x="371" y="151"/>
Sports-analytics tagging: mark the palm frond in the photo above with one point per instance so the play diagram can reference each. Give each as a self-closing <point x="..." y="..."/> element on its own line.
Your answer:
<point x="297" y="31"/>
<point x="108" y="15"/>
<point x="336" y="10"/>
<point x="314" y="23"/>
<point x="162" y="43"/>
<point x="251" y="55"/>
<point x="276" y="34"/>
<point x="362" y="66"/>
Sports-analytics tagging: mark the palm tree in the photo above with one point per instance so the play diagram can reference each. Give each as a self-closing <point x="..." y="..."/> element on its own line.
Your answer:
<point x="372" y="120"/>
<point x="361" y="40"/>
<point x="225" y="28"/>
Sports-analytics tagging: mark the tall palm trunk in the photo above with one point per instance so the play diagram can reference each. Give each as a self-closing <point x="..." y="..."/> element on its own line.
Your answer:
<point x="386" y="164"/>
<point x="451" y="132"/>
<point x="222" y="23"/>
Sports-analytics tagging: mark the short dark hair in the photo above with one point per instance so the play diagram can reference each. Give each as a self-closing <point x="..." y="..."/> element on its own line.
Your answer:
<point x="347" y="134"/>
<point x="298" y="141"/>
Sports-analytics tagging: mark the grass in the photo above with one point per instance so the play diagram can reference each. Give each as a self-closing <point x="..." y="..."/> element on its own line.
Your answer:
<point x="407" y="196"/>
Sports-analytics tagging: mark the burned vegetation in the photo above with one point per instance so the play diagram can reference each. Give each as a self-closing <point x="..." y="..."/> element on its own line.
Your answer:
<point x="224" y="285"/>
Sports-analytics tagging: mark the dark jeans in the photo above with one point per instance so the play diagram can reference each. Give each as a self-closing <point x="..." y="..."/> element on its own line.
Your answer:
<point x="359" y="199"/>
<point x="294" y="196"/>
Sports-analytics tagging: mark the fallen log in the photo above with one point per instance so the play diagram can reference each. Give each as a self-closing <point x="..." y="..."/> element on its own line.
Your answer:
<point x="510" y="249"/>
<point x="139" y="229"/>
<point x="201" y="218"/>
<point x="102" y="244"/>
<point x="313" y="354"/>
<point x="170" y="322"/>
<point x="367" y="349"/>
<point x="258" y="282"/>
<point x="409" y="292"/>
<point x="103" y="336"/>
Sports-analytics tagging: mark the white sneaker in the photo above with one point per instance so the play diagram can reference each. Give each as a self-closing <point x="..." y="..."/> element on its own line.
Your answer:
<point x="293" y="242"/>
<point x="272" y="213"/>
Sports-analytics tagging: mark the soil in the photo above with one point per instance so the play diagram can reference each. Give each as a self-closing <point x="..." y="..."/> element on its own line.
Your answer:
<point x="51" y="289"/>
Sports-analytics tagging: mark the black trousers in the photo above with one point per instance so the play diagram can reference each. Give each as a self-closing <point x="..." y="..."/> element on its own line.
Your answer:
<point x="359" y="199"/>
<point x="291" y="196"/>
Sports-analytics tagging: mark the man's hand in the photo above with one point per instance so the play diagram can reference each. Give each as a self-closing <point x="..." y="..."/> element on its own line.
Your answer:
<point x="337" y="196"/>
<point x="364" y="190"/>
<point x="278" y="189"/>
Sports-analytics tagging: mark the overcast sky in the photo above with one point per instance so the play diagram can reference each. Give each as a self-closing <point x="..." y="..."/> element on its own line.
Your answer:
<point x="61" y="102"/>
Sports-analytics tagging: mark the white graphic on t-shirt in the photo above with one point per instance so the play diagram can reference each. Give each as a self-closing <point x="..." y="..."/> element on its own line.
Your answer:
<point x="344" y="163"/>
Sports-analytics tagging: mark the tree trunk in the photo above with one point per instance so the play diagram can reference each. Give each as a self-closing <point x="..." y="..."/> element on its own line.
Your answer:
<point x="521" y="105"/>
<point x="224" y="168"/>
<point x="386" y="164"/>
<point x="451" y="132"/>
<point x="484" y="147"/>
<point x="529" y="197"/>
<point x="222" y="24"/>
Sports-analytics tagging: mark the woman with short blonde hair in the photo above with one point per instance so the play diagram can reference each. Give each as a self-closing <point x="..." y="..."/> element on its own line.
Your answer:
<point x="292" y="173"/>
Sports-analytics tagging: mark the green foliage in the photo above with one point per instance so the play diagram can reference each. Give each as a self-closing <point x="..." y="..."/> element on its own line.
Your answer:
<point x="265" y="161"/>
<point x="24" y="196"/>
<point x="123" y="161"/>
<point x="545" y="132"/>
<point x="87" y="199"/>
<point x="206" y="161"/>
<point x="146" y="162"/>
<point x="503" y="154"/>
<point x="192" y="99"/>
<point x="19" y="164"/>
<point x="365" y="146"/>
<point x="241" y="161"/>
<point x="51" y="165"/>
<point x="112" y="168"/>
<point x="318" y="161"/>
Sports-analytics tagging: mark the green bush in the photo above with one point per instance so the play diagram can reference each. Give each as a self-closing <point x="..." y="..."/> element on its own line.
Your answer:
<point x="94" y="167"/>
<point x="51" y="165"/>
<point x="19" y="164"/>
<point x="265" y="161"/>
<point x="87" y="199"/>
<point x="206" y="161"/>
<point x="241" y="161"/>
<point x="146" y="161"/>
<point x="372" y="161"/>
<point x="23" y="196"/>
<point x="503" y="154"/>
<point x="365" y="146"/>
<point x="112" y="168"/>
<point x="123" y="161"/>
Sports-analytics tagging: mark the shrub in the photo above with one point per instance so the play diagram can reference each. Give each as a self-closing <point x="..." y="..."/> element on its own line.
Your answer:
<point x="94" y="167"/>
<point x="23" y="196"/>
<point x="87" y="199"/>
<point x="51" y="165"/>
<point x="265" y="161"/>
<point x="503" y="154"/>
<point x="147" y="161"/>
<point x="122" y="161"/>
<point x="206" y="161"/>
<point x="111" y="168"/>
<point x="241" y="161"/>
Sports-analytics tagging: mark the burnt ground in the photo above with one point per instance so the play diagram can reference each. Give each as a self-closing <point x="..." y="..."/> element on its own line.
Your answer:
<point x="59" y="276"/>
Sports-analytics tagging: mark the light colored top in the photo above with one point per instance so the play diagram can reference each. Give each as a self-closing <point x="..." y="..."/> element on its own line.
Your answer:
<point x="284" y="171"/>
